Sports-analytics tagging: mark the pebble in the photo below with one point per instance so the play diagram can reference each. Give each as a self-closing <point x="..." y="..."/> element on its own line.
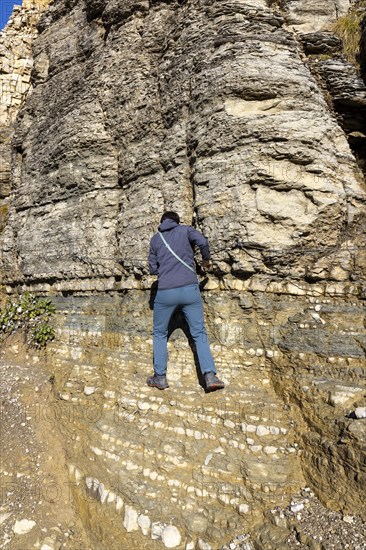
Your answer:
<point x="119" y="503"/>
<point x="89" y="390"/>
<point x="269" y="450"/>
<point x="348" y="519"/>
<point x="251" y="428"/>
<point x="229" y="424"/>
<point x="208" y="459"/>
<point x="157" y="529"/>
<point x="202" y="545"/>
<point x="130" y="519"/>
<point x="23" y="526"/>
<point x="171" y="537"/>
<point x="102" y="493"/>
<point x="144" y="523"/>
<point x="243" y="508"/>
<point x="296" y="507"/>
<point x="64" y="396"/>
<point x="360" y="412"/>
<point x="143" y="406"/>
<point x="262" y="430"/>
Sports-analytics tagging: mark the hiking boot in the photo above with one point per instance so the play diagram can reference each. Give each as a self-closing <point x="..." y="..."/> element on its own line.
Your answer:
<point x="212" y="382"/>
<point x="157" y="381"/>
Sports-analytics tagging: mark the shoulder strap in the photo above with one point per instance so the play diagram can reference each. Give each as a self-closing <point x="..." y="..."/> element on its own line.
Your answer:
<point x="174" y="254"/>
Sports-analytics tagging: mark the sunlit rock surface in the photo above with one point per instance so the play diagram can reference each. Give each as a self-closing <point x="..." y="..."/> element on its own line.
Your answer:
<point x="207" y="108"/>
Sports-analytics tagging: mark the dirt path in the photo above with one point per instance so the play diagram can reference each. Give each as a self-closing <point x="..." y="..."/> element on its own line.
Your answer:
<point x="36" y="509"/>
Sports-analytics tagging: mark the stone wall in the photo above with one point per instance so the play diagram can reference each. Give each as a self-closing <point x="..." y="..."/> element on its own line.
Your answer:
<point x="208" y="108"/>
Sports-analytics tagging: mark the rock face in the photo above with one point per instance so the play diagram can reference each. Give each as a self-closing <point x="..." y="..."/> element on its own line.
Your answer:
<point x="16" y="58"/>
<point x="136" y="108"/>
<point x="208" y="108"/>
<point x="16" y="61"/>
<point x="348" y="92"/>
<point x="312" y="15"/>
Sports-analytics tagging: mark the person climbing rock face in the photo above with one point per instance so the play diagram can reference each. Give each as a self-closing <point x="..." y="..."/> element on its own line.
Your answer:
<point x="171" y="257"/>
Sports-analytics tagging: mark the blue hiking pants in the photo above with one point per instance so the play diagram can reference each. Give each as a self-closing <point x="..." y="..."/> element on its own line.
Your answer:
<point x="166" y="302"/>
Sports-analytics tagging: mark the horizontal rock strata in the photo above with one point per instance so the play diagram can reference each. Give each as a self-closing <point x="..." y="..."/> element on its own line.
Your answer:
<point x="218" y="104"/>
<point x="208" y="108"/>
<point x="16" y="61"/>
<point x="207" y="464"/>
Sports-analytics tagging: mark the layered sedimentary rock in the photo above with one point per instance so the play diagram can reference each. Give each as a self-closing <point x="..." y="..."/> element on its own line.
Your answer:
<point x="16" y="57"/>
<point x="348" y="92"/>
<point x="16" y="61"/>
<point x="208" y="108"/>
<point x="312" y="16"/>
<point x="130" y="119"/>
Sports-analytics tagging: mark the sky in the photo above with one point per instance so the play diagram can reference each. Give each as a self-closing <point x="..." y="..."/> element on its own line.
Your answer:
<point x="6" y="8"/>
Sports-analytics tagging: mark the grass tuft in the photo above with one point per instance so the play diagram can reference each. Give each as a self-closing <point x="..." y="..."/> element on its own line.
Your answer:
<point x="348" y="28"/>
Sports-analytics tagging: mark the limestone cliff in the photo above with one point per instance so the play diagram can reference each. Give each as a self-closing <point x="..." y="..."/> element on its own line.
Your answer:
<point x="211" y="109"/>
<point x="16" y="61"/>
<point x="221" y="107"/>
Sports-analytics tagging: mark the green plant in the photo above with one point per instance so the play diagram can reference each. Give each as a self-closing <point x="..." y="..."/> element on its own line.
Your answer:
<point x="348" y="28"/>
<point x="31" y="314"/>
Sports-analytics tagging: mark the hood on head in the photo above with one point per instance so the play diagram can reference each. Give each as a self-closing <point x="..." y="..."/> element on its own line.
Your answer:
<point x="167" y="225"/>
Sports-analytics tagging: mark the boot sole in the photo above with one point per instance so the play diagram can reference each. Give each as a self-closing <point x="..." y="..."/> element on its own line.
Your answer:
<point x="157" y="386"/>
<point x="215" y="387"/>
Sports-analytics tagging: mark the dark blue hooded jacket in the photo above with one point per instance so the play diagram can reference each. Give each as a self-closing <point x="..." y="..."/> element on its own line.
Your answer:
<point x="182" y="239"/>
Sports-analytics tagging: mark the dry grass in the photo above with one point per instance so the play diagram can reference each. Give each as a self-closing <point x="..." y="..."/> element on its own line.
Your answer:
<point x="348" y="29"/>
<point x="4" y="212"/>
